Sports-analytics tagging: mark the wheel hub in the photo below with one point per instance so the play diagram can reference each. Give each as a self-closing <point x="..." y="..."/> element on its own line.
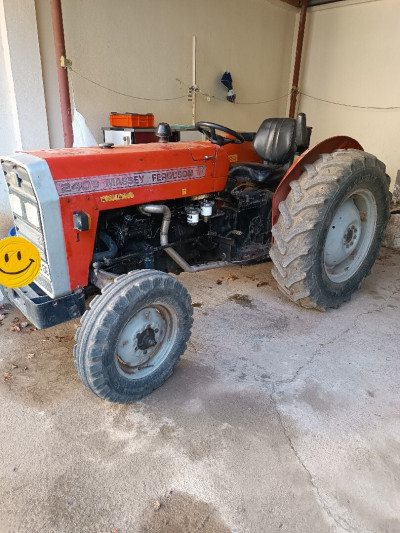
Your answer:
<point x="349" y="235"/>
<point x="146" y="339"/>
<point x="343" y="234"/>
<point x="140" y="339"/>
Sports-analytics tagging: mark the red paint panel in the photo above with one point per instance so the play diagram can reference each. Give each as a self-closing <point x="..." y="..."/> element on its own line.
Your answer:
<point x="78" y="244"/>
<point x="241" y="153"/>
<point x="83" y="162"/>
<point x="88" y="179"/>
<point x="308" y="157"/>
<point x="159" y="163"/>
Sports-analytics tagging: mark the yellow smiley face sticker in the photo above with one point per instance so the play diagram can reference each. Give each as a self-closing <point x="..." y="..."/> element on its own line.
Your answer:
<point x="19" y="262"/>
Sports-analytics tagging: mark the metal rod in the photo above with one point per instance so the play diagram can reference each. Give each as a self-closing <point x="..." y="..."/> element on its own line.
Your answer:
<point x="194" y="80"/>
<point x="165" y="211"/>
<point x="59" y="43"/>
<point x="297" y="62"/>
<point x="100" y="278"/>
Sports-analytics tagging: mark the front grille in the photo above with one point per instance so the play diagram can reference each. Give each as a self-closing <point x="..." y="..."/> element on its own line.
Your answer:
<point x="26" y="214"/>
<point x="32" y="234"/>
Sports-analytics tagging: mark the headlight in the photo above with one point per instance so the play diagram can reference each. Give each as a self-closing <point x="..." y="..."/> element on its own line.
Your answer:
<point x="32" y="214"/>
<point x="16" y="204"/>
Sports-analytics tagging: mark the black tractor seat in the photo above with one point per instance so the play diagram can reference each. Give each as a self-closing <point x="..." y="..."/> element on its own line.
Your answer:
<point x="257" y="172"/>
<point x="276" y="143"/>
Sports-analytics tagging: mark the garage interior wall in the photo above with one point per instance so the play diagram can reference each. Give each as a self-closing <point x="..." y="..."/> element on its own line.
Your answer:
<point x="350" y="56"/>
<point x="144" y="48"/>
<point x="23" y="116"/>
<point x="8" y="135"/>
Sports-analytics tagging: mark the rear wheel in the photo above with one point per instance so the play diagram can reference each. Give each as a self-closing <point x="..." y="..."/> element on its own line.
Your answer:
<point x="330" y="228"/>
<point x="133" y="336"/>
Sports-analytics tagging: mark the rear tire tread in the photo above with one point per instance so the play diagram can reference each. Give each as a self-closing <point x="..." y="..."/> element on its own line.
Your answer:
<point x="302" y="212"/>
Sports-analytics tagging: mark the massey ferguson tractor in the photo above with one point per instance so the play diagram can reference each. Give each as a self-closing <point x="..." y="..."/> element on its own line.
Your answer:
<point x="120" y="219"/>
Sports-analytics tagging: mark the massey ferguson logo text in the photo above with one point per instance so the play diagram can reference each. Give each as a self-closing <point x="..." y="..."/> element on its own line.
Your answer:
<point x="112" y="182"/>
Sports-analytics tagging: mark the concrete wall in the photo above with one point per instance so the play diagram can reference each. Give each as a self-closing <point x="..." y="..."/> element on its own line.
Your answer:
<point x="9" y="138"/>
<point x="143" y="48"/>
<point x="22" y="77"/>
<point x="22" y="107"/>
<point x="8" y="135"/>
<point x="350" y="56"/>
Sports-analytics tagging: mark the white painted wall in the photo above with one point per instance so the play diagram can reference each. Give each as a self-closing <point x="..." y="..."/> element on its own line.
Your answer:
<point x="351" y="56"/>
<point x="22" y="106"/>
<point x="142" y="47"/>
<point x="8" y="136"/>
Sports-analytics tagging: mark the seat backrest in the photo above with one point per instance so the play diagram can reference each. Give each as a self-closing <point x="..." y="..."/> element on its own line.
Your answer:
<point x="275" y="141"/>
<point x="302" y="140"/>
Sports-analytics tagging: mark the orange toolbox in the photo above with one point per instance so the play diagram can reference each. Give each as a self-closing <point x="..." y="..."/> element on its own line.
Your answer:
<point x="131" y="120"/>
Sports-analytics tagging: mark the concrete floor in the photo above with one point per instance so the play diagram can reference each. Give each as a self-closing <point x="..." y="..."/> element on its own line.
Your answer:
<point x="278" y="419"/>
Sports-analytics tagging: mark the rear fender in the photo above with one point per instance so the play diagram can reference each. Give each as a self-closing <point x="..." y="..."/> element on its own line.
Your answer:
<point x="307" y="158"/>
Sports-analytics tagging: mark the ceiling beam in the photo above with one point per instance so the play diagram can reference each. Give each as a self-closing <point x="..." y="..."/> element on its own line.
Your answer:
<point x="321" y="2"/>
<point x="294" y="3"/>
<point x="311" y="3"/>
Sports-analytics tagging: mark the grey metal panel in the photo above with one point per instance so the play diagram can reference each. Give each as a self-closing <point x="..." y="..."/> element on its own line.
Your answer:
<point x="50" y="214"/>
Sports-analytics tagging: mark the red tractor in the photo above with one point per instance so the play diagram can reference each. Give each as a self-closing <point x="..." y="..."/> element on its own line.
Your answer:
<point x="119" y="219"/>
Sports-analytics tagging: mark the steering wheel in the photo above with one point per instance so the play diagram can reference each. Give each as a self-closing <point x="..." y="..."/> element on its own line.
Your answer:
<point x="208" y="129"/>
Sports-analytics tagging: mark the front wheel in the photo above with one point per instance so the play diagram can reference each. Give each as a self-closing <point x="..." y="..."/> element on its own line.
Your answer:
<point x="133" y="336"/>
<point x="330" y="228"/>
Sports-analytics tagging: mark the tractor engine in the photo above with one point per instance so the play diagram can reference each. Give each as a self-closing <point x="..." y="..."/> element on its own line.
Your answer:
<point x="233" y="225"/>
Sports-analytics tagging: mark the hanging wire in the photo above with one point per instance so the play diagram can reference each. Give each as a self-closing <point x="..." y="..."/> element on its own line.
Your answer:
<point x="211" y="96"/>
<point x="348" y="105"/>
<point x="124" y="94"/>
<point x="206" y="95"/>
<point x="244" y="103"/>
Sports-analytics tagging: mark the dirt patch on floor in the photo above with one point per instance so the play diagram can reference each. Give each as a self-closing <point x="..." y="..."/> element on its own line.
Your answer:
<point x="180" y="513"/>
<point x="242" y="299"/>
<point x="36" y="366"/>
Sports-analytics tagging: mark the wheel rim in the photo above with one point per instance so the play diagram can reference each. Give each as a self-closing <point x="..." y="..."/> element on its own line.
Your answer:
<point x="146" y="340"/>
<point x="350" y="235"/>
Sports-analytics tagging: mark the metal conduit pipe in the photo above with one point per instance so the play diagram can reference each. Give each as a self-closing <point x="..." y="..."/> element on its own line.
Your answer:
<point x="59" y="44"/>
<point x="297" y="62"/>
<point x="165" y="211"/>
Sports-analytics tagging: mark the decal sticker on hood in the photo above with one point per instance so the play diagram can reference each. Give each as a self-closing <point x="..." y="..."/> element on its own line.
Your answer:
<point x="130" y="180"/>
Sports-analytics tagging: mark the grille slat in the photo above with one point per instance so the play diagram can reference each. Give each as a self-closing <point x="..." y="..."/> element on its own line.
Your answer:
<point x="20" y="186"/>
<point x="18" y="180"/>
<point x="24" y="229"/>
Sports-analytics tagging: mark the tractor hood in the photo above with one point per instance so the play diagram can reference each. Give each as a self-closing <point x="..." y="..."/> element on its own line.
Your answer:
<point x="97" y="164"/>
